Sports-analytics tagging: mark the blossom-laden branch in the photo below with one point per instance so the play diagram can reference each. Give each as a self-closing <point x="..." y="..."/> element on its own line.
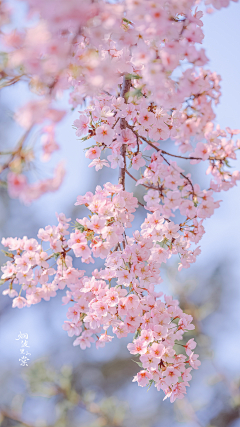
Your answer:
<point x="105" y="53"/>
<point x="130" y="306"/>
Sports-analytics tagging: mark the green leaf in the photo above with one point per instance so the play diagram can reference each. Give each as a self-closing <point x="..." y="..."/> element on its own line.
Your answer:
<point x="149" y="384"/>
<point x="84" y="138"/>
<point x="132" y="76"/>
<point x="163" y="242"/>
<point x="79" y="227"/>
<point x="137" y="333"/>
<point x="56" y="255"/>
<point x="9" y="254"/>
<point x="138" y="363"/>
<point x="137" y="92"/>
<point x="227" y="163"/>
<point x="127" y="21"/>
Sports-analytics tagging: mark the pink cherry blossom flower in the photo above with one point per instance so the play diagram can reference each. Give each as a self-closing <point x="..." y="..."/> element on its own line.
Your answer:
<point x="193" y="360"/>
<point x="171" y="375"/>
<point x="143" y="378"/>
<point x="157" y="350"/>
<point x="93" y="152"/>
<point x="105" y="134"/>
<point x="17" y="184"/>
<point x="116" y="160"/>
<point x="8" y="271"/>
<point x="81" y="125"/>
<point x="84" y="340"/>
<point x="19" y="302"/>
<point x="190" y="346"/>
<point x="98" y="164"/>
<point x="138" y="161"/>
<point x="137" y="347"/>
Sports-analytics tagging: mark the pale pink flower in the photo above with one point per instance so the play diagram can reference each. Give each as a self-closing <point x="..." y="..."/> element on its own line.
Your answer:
<point x="149" y="361"/>
<point x="10" y="292"/>
<point x="74" y="313"/>
<point x="98" y="164"/>
<point x="143" y="378"/>
<point x="202" y="150"/>
<point x="93" y="152"/>
<point x="105" y="134"/>
<point x="19" y="302"/>
<point x="157" y="350"/>
<point x="191" y="344"/>
<point x="193" y="360"/>
<point x="96" y="224"/>
<point x="103" y="339"/>
<point x="137" y="347"/>
<point x="82" y="125"/>
<point x="147" y="336"/>
<point x="112" y="298"/>
<point x="8" y="271"/>
<point x="146" y="118"/>
<point x="17" y="184"/>
<point x="132" y="302"/>
<point x="84" y="340"/>
<point x="171" y="375"/>
<point x="71" y="328"/>
<point x="138" y="161"/>
<point x="152" y="197"/>
<point x="116" y="160"/>
<point x="81" y="250"/>
<point x="171" y="230"/>
<point x="127" y="137"/>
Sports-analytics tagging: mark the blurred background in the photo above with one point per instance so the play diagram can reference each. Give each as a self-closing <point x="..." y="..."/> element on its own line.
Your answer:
<point x="64" y="386"/>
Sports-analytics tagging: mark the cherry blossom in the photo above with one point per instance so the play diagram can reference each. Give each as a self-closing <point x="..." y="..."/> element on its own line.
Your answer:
<point x="136" y="73"/>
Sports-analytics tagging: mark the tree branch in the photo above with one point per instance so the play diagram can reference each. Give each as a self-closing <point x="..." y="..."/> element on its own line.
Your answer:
<point x="144" y="185"/>
<point x="123" y="124"/>
<point x="164" y="152"/>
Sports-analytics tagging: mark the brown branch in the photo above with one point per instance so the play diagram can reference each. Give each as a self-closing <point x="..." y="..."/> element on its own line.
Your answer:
<point x="11" y="82"/>
<point x="12" y="416"/>
<point x="123" y="124"/>
<point x="144" y="185"/>
<point x="184" y="176"/>
<point x="16" y="151"/>
<point x="181" y="157"/>
<point x="115" y="122"/>
<point x="161" y="151"/>
<point x="166" y="152"/>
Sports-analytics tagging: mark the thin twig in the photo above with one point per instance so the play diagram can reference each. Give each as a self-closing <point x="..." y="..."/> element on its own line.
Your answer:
<point x="144" y="185"/>
<point x="161" y="151"/>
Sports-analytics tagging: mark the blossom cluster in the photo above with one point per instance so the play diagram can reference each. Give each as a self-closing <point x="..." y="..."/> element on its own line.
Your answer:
<point x="120" y="297"/>
<point x="87" y="48"/>
<point x="144" y="126"/>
